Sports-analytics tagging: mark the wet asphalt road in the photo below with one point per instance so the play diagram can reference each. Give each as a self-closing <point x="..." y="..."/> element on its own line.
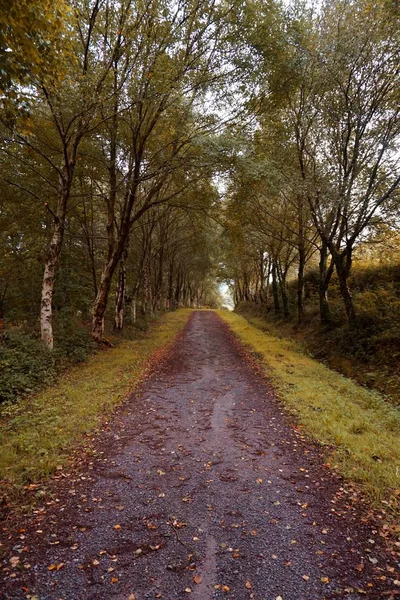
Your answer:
<point x="199" y="488"/>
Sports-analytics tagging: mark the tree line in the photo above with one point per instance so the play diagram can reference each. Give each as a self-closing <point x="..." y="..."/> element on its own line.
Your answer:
<point x="318" y="175"/>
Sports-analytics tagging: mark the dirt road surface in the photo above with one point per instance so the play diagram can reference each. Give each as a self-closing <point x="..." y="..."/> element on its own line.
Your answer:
<point x="201" y="488"/>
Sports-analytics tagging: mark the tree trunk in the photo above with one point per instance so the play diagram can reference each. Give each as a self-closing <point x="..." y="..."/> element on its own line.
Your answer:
<point x="50" y="267"/>
<point x="133" y="309"/>
<point x="284" y="294"/>
<point x="275" y="292"/>
<point x="325" y="274"/>
<point x="120" y="294"/>
<point x="300" y="283"/>
<point x="343" y="265"/>
<point x="102" y="298"/>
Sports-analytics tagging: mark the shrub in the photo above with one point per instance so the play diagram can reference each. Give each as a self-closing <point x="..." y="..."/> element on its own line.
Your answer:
<point x="73" y="342"/>
<point x="26" y="365"/>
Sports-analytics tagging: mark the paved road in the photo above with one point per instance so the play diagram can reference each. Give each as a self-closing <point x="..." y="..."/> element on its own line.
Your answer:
<point x="200" y="489"/>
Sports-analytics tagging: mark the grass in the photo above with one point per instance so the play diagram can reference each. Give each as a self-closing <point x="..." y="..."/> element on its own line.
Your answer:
<point x="360" y="426"/>
<point x="38" y="433"/>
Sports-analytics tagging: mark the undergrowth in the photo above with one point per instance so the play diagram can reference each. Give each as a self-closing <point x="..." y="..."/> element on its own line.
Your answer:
<point x="26" y="365"/>
<point x="361" y="427"/>
<point x="37" y="433"/>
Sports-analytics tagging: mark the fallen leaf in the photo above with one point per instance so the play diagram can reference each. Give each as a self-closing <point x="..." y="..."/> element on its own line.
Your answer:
<point x="248" y="585"/>
<point x="117" y="526"/>
<point x="131" y="597"/>
<point x="188" y="590"/>
<point x="197" y="579"/>
<point x="14" y="560"/>
<point x="306" y="577"/>
<point x="59" y="566"/>
<point x="52" y="567"/>
<point x="114" y="579"/>
<point x="225" y="588"/>
<point x="325" y="579"/>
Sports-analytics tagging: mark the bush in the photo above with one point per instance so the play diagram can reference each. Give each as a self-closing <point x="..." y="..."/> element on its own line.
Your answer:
<point x="73" y="342"/>
<point x="26" y="365"/>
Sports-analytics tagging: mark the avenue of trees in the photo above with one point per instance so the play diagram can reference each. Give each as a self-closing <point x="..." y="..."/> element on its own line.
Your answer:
<point x="318" y="176"/>
<point x="151" y="149"/>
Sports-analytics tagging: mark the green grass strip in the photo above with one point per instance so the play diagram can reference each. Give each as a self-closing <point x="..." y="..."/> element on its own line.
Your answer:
<point x="37" y="434"/>
<point x="358" y="423"/>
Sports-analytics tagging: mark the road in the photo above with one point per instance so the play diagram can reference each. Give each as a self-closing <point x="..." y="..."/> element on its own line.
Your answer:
<point x="200" y="487"/>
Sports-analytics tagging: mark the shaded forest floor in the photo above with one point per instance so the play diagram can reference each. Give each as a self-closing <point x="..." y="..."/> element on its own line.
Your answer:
<point x="200" y="486"/>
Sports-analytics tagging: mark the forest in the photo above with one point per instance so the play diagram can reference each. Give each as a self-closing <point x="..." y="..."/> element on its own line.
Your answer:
<point x="153" y="152"/>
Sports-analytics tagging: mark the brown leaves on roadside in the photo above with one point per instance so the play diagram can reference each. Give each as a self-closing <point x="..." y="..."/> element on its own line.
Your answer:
<point x="14" y="561"/>
<point x="224" y="588"/>
<point x="178" y="524"/>
<point x="55" y="567"/>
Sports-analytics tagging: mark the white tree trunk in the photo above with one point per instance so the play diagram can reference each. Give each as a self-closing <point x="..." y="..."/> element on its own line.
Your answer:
<point x="133" y="310"/>
<point x="46" y="309"/>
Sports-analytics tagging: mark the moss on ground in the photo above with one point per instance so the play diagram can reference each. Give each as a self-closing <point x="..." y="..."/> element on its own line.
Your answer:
<point x="37" y="433"/>
<point x="362" y="428"/>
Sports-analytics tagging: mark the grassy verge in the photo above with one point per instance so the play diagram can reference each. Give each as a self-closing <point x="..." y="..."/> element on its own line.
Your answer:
<point x="360" y="426"/>
<point x="37" y="433"/>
